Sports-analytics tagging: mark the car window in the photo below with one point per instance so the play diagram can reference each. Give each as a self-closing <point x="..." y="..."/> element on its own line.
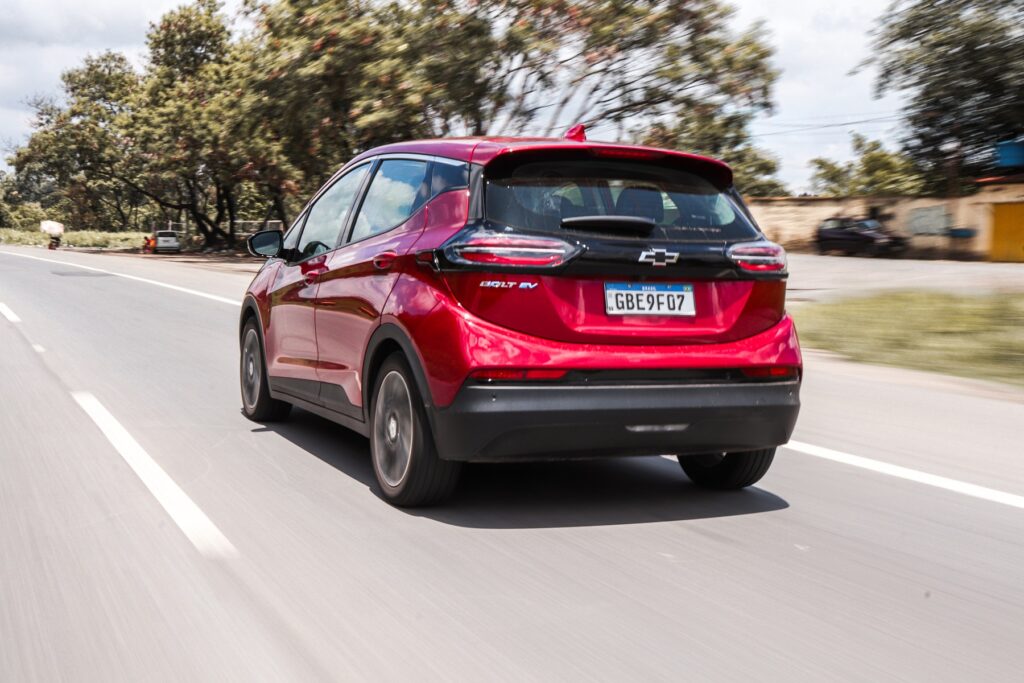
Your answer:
<point x="329" y="214"/>
<point x="683" y="204"/>
<point x="291" y="238"/>
<point x="448" y="175"/>
<point x="165" y="233"/>
<point x="395" y="193"/>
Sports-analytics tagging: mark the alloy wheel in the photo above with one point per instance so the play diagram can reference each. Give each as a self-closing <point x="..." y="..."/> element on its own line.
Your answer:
<point x="393" y="429"/>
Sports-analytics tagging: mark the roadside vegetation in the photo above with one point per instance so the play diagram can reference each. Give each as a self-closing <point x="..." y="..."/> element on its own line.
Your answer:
<point x="974" y="336"/>
<point x="92" y="239"/>
<point x="222" y="124"/>
<point x="240" y="116"/>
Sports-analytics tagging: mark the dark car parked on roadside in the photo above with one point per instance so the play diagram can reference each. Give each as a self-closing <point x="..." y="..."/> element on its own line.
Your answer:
<point x="853" y="236"/>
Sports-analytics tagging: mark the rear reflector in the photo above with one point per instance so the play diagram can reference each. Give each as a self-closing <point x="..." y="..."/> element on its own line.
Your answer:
<point x="772" y="372"/>
<point x="758" y="256"/>
<point x="513" y="375"/>
<point x="490" y="249"/>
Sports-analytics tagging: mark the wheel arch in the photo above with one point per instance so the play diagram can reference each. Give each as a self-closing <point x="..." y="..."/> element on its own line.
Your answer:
<point x="250" y="310"/>
<point x="386" y="340"/>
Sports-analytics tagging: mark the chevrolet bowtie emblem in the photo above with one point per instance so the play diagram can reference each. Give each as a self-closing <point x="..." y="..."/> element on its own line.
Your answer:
<point x="659" y="257"/>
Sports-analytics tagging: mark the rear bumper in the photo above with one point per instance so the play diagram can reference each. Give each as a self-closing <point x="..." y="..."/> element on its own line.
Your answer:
<point x="536" y="422"/>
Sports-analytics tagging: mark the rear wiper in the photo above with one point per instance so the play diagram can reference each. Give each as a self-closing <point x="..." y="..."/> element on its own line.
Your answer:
<point x="630" y="224"/>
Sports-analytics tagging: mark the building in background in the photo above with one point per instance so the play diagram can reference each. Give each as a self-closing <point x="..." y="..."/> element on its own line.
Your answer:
<point x="988" y="224"/>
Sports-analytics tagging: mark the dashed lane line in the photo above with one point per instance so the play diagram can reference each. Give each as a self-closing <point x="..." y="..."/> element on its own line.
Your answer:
<point x="205" y="536"/>
<point x="954" y="485"/>
<point x="6" y="312"/>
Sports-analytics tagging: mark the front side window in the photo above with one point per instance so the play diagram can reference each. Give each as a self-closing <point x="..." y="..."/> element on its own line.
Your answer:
<point x="395" y="193"/>
<point x="291" y="238"/>
<point x="682" y="204"/>
<point x="329" y="214"/>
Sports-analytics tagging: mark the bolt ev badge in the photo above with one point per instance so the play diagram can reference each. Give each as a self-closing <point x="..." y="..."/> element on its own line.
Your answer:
<point x="504" y="284"/>
<point x="659" y="257"/>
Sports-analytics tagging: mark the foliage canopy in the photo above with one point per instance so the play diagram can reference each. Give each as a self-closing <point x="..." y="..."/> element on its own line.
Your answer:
<point x="222" y="125"/>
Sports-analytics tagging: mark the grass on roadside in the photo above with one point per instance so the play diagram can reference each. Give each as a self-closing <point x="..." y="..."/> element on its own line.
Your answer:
<point x="973" y="336"/>
<point x="93" y="239"/>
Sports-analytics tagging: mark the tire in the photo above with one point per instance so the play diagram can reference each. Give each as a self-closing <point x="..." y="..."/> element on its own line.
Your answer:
<point x="257" y="404"/>
<point x="727" y="470"/>
<point x="405" y="460"/>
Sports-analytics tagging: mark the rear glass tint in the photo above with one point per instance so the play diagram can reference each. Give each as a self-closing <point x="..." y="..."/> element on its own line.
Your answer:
<point x="538" y="195"/>
<point x="167" y="234"/>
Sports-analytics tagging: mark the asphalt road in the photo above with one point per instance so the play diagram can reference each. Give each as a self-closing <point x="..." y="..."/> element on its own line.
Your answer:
<point x="149" y="532"/>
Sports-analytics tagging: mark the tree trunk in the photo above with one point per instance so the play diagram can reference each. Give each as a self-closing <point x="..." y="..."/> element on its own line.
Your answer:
<point x="280" y="210"/>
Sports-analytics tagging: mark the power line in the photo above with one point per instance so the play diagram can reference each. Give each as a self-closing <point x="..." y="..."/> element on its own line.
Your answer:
<point x="825" y="125"/>
<point x="820" y="117"/>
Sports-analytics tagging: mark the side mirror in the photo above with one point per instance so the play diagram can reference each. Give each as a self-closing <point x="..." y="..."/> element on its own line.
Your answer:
<point x="266" y="243"/>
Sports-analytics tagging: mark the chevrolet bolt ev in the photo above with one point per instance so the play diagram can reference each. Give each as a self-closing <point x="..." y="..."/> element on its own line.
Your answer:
<point x="508" y="299"/>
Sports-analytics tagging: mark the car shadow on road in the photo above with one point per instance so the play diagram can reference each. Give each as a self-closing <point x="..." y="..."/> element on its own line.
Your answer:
<point x="557" y="494"/>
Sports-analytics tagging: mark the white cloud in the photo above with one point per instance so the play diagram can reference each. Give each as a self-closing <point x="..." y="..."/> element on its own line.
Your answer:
<point x="817" y="46"/>
<point x="40" y="39"/>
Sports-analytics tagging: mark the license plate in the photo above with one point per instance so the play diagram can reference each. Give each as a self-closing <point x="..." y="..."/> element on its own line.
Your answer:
<point x="633" y="298"/>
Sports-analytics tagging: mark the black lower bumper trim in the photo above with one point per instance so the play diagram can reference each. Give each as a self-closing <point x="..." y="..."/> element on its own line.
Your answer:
<point x="492" y="423"/>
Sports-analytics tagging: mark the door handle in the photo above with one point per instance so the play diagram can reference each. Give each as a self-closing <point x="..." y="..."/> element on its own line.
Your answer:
<point x="384" y="260"/>
<point x="312" y="276"/>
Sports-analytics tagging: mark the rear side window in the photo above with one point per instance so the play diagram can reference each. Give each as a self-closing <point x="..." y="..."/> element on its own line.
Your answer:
<point x="538" y="195"/>
<point x="448" y="175"/>
<point x="395" y="193"/>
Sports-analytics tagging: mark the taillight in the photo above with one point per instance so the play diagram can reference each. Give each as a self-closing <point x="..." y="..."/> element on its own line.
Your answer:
<point x="513" y="374"/>
<point x="492" y="249"/>
<point x="626" y="153"/>
<point x="758" y="257"/>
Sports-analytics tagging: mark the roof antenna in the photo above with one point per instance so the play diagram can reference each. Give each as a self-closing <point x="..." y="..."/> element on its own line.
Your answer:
<point x="577" y="133"/>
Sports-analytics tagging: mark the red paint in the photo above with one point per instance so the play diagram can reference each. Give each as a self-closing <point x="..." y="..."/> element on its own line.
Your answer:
<point x="572" y="309"/>
<point x="577" y="133"/>
<point x="452" y="343"/>
<point x="351" y="298"/>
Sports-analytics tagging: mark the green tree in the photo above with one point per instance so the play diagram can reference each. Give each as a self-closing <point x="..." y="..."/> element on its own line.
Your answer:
<point x="874" y="171"/>
<point x="217" y="127"/>
<point x="178" y="144"/>
<point x="618" y="63"/>
<point x="962" y="64"/>
<point x="76" y="141"/>
<point x="339" y="76"/>
<point x="8" y="200"/>
<point x="714" y="133"/>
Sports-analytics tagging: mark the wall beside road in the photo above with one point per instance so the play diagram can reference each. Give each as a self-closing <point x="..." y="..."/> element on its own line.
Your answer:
<point x="792" y="221"/>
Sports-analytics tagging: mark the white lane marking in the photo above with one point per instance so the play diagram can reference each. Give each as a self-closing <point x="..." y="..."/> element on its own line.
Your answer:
<point x="186" y="290"/>
<point x="38" y="348"/>
<point x="205" y="536"/>
<point x="917" y="476"/>
<point x="9" y="314"/>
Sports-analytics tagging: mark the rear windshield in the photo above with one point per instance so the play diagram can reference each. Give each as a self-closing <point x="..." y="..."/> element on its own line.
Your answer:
<point x="166" y="234"/>
<point x="538" y="195"/>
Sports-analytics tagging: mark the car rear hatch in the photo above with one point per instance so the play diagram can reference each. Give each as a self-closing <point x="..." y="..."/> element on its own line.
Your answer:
<point x="650" y="248"/>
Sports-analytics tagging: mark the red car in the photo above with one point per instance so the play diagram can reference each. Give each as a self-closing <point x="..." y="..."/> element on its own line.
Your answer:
<point x="519" y="299"/>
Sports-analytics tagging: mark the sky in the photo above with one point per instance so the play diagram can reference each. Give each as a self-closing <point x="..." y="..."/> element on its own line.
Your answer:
<point x="817" y="45"/>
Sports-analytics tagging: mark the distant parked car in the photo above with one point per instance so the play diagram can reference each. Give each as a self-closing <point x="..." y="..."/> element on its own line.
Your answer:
<point x="853" y="236"/>
<point x="163" y="240"/>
